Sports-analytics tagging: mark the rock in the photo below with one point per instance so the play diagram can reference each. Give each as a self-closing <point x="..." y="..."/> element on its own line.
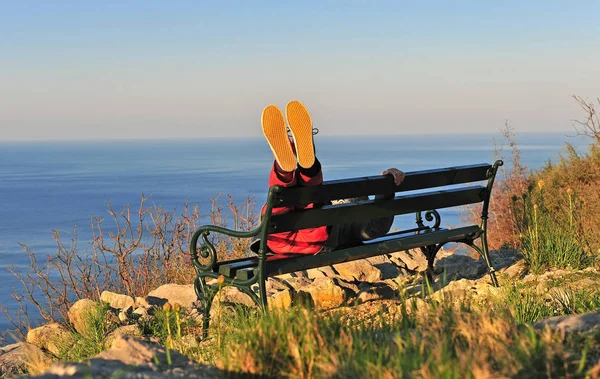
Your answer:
<point x="461" y="266"/>
<point x="326" y="271"/>
<point x="52" y="337"/>
<point x="505" y="258"/>
<point x="116" y="300"/>
<point x="281" y="299"/>
<point x="15" y="358"/>
<point x="132" y="357"/>
<point x="376" y="291"/>
<point x="516" y="271"/>
<point x="388" y="269"/>
<point x="297" y="283"/>
<point x="127" y="330"/>
<point x="314" y="273"/>
<point x="182" y="294"/>
<point x="135" y="352"/>
<point x="360" y="270"/>
<point x="350" y="289"/>
<point x="125" y="314"/>
<point x="284" y="276"/>
<point x="324" y="293"/>
<point x="464" y="288"/>
<point x="572" y="323"/>
<point x="111" y="319"/>
<point x="413" y="260"/>
<point x="79" y="314"/>
<point x="273" y="285"/>
<point x="233" y="295"/>
<point x="141" y="313"/>
<point x="141" y="302"/>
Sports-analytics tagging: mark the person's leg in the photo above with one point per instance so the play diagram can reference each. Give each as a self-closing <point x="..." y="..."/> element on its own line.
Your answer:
<point x="274" y="130"/>
<point x="301" y="129"/>
<point x="283" y="173"/>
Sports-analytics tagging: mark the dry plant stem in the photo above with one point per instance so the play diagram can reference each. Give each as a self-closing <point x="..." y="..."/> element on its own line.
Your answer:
<point x="506" y="203"/>
<point x="590" y="126"/>
<point x="140" y="250"/>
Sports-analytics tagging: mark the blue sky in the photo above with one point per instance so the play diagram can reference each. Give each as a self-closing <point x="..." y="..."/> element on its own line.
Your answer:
<point x="103" y="70"/>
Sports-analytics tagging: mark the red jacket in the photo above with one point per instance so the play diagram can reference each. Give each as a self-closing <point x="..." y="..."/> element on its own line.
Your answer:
<point x="304" y="241"/>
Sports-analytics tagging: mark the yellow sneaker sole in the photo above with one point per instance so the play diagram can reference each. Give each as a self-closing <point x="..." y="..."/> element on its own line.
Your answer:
<point x="300" y="125"/>
<point x="273" y="126"/>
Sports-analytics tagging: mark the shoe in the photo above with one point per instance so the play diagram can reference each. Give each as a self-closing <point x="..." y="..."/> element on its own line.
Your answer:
<point x="273" y="126"/>
<point x="300" y="125"/>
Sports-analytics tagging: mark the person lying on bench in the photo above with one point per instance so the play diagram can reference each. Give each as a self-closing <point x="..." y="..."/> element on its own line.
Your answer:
<point x="296" y="165"/>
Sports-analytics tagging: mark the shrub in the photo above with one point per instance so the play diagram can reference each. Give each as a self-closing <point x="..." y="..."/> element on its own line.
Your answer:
<point x="142" y="250"/>
<point x="551" y="214"/>
<point x="550" y="234"/>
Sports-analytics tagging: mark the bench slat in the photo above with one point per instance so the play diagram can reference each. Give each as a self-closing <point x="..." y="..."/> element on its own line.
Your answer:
<point x="369" y="209"/>
<point x="229" y="269"/>
<point x="366" y="250"/>
<point x="373" y="185"/>
<point x="370" y="249"/>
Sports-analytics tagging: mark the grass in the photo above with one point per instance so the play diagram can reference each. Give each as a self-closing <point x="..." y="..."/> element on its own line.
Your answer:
<point x="523" y="304"/>
<point x="92" y="340"/>
<point x="550" y="239"/>
<point x="439" y="336"/>
<point x="452" y="338"/>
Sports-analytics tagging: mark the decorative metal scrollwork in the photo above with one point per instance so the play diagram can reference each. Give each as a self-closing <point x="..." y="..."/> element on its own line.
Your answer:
<point x="207" y="250"/>
<point x="433" y="215"/>
<point x="430" y="216"/>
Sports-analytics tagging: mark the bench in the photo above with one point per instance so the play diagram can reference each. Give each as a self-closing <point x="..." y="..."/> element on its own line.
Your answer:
<point x="419" y="193"/>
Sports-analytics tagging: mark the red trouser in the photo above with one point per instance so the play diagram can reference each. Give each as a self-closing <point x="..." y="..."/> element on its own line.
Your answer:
<point x="305" y="241"/>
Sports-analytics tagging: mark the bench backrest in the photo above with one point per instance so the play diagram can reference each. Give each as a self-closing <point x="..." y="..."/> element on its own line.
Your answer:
<point x="429" y="199"/>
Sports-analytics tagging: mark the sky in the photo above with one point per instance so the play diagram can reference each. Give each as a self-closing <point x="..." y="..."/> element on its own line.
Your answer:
<point x="153" y="69"/>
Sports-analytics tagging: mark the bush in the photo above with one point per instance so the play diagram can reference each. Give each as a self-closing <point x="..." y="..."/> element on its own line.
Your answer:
<point x="550" y="230"/>
<point x="551" y="214"/>
<point x="142" y="250"/>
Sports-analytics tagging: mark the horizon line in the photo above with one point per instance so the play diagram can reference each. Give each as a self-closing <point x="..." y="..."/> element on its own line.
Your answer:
<point x="141" y="139"/>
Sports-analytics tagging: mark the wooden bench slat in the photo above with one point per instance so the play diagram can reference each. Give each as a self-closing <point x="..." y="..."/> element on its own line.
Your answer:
<point x="371" y="249"/>
<point x="245" y="273"/>
<point x="373" y="185"/>
<point x="370" y="209"/>
<point x="229" y="268"/>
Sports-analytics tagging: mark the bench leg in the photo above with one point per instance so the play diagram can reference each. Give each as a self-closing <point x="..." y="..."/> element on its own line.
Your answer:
<point x="488" y="261"/>
<point x="205" y="295"/>
<point x="483" y="251"/>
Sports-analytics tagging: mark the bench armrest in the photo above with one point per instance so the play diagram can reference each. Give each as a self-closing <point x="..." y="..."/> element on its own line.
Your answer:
<point x="207" y="249"/>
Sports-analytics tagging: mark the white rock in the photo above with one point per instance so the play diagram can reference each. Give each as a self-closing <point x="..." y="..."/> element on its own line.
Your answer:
<point x="117" y="300"/>
<point x="182" y="294"/>
<point x="360" y="270"/>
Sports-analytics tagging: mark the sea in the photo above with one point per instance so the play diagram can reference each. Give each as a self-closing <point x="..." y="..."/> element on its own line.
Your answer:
<point x="47" y="186"/>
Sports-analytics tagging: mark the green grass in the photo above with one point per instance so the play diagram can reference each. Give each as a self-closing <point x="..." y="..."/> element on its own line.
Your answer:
<point x="90" y="341"/>
<point x="524" y="304"/>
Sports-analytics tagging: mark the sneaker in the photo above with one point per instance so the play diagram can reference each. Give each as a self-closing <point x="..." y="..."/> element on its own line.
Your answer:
<point x="300" y="125"/>
<point x="273" y="126"/>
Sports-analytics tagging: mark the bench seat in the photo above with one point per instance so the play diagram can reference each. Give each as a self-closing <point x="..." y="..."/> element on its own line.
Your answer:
<point x="244" y="269"/>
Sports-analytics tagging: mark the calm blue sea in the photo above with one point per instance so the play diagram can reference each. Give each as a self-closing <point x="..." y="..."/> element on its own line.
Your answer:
<point x="47" y="186"/>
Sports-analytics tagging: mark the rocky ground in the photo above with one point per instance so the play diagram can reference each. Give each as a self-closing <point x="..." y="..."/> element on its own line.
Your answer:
<point x="356" y="290"/>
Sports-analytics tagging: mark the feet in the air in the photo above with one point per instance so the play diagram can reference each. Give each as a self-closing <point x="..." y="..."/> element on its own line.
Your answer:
<point x="275" y="132"/>
<point x="300" y="125"/>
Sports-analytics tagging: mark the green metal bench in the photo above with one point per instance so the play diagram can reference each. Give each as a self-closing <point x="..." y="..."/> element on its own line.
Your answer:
<point x="424" y="201"/>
